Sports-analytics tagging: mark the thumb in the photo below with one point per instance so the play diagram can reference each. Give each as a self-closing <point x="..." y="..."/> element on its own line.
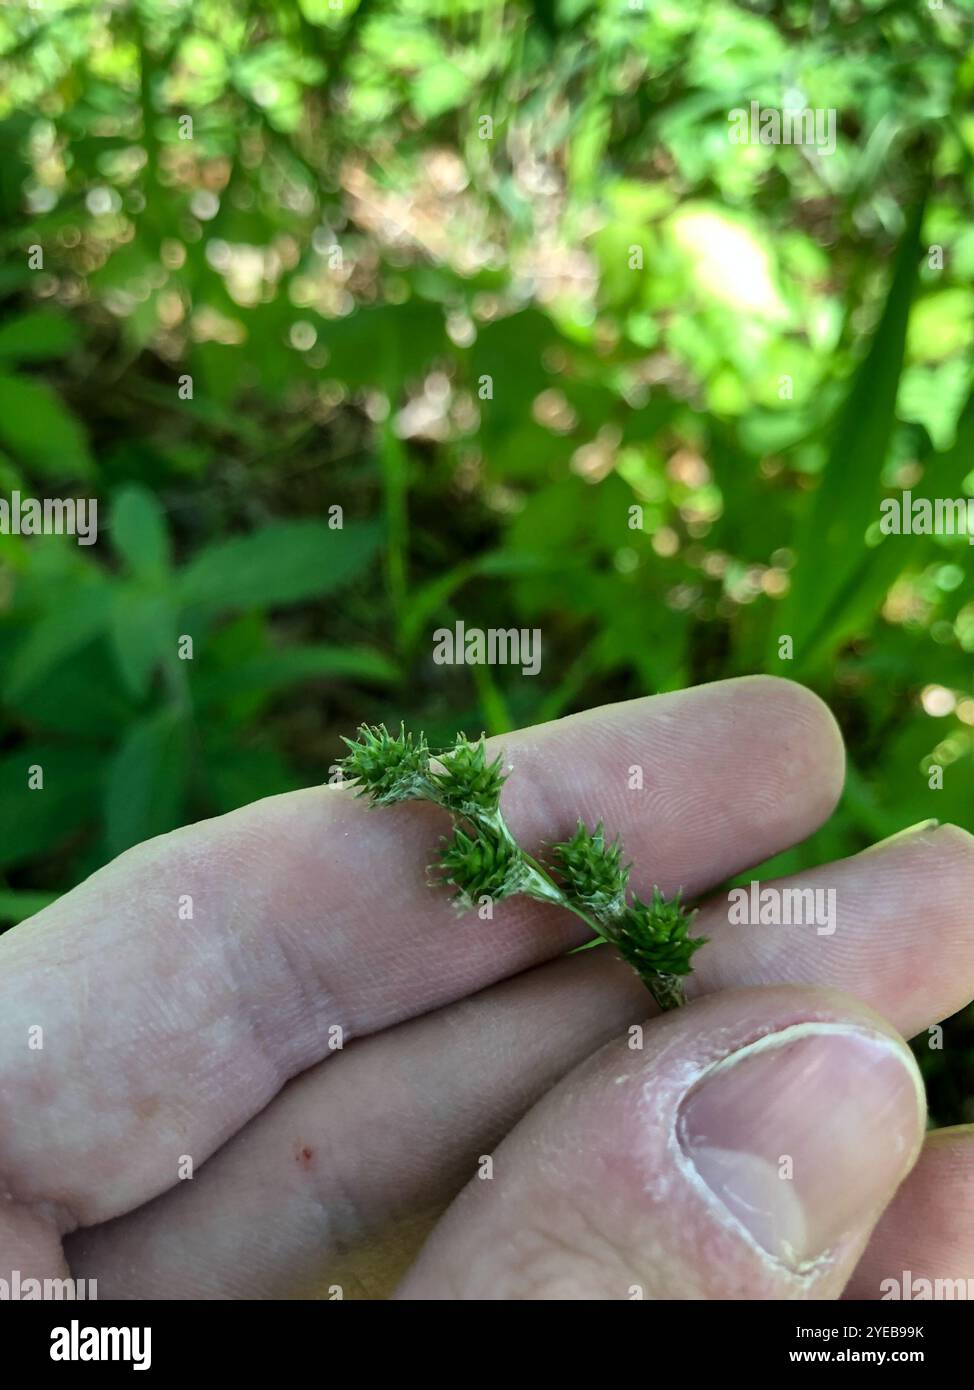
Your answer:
<point x="746" y="1151"/>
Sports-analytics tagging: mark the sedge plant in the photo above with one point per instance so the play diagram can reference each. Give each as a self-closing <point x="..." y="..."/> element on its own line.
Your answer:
<point x="484" y="863"/>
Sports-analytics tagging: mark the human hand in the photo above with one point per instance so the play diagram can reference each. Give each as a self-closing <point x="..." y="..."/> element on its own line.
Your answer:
<point x="656" y="1171"/>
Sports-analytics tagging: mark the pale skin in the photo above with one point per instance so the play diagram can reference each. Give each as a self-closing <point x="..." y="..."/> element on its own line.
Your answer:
<point x="363" y="1169"/>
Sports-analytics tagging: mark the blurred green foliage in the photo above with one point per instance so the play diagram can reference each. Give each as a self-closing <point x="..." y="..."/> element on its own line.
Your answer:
<point x="285" y="244"/>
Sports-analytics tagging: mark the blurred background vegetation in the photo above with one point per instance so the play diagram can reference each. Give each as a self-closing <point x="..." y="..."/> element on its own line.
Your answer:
<point x="284" y="243"/>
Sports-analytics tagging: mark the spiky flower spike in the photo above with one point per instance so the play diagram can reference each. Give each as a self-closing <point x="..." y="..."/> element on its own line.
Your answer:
<point x="654" y="939"/>
<point x="387" y="769"/>
<point x="482" y="866"/>
<point x="484" y="862"/>
<point x="592" y="871"/>
<point x="467" y="783"/>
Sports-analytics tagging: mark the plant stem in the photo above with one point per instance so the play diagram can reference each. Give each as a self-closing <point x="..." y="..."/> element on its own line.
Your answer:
<point x="393" y="460"/>
<point x="554" y="893"/>
<point x="667" y="990"/>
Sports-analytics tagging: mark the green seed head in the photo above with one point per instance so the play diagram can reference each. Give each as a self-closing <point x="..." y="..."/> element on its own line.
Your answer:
<point x="654" y="937"/>
<point x="485" y="865"/>
<point x="592" y="871"/>
<point x="467" y="783"/>
<point x="484" y="862"/>
<point x="387" y="769"/>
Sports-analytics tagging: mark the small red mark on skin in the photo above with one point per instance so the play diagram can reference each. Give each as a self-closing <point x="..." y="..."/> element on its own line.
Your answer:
<point x="304" y="1156"/>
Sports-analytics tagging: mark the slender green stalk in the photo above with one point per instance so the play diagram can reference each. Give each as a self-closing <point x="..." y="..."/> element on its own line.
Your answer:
<point x="395" y="488"/>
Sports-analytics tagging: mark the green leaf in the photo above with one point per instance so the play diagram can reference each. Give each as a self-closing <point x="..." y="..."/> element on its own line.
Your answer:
<point x="40" y="432"/>
<point x="877" y="567"/>
<point x="267" y="673"/>
<point x="36" y="820"/>
<point x="82" y="696"/>
<point x="139" y="532"/>
<point x="16" y="905"/>
<point x="431" y="598"/>
<point x="143" y="629"/>
<point x="37" y="337"/>
<point x="831" y="540"/>
<point x="147" y="780"/>
<point x="83" y="614"/>
<point x="284" y="563"/>
<point x="439" y="88"/>
<point x="326" y="12"/>
<point x="237" y="775"/>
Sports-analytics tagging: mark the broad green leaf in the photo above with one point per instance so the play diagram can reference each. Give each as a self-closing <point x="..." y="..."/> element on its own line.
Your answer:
<point x="933" y="397"/>
<point x="82" y="615"/>
<point x="40" y="432"/>
<point x="941" y="325"/>
<point x="36" y="820"/>
<point x="143" y="629"/>
<point x="82" y="695"/>
<point x="439" y="88"/>
<point x="237" y="775"/>
<point x="284" y="563"/>
<point x="147" y="780"/>
<point x="273" y="671"/>
<point x="37" y="337"/>
<point x="139" y="533"/>
<point x="377" y="346"/>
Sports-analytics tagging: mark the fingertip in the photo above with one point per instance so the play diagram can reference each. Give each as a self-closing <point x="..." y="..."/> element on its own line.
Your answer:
<point x="808" y="733"/>
<point x="958" y="842"/>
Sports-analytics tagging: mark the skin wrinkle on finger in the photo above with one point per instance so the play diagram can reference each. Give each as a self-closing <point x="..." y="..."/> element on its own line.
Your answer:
<point x="191" y="1027"/>
<point x="488" y="1058"/>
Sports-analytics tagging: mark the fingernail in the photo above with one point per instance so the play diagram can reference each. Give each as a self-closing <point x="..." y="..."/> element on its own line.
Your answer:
<point x="804" y="1135"/>
<point x="904" y="834"/>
